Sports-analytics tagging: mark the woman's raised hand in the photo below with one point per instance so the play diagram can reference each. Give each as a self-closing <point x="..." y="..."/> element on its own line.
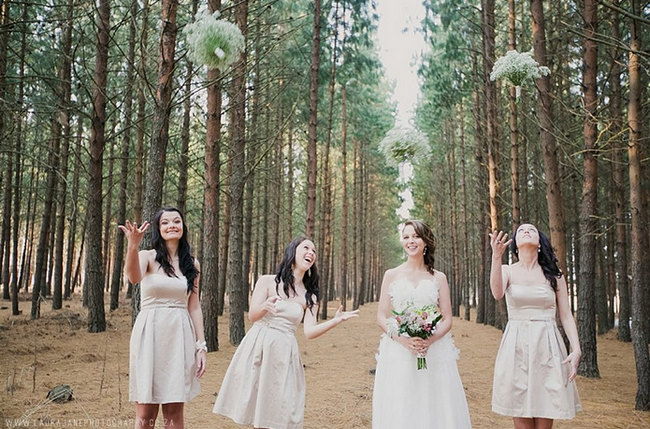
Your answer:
<point x="345" y="315"/>
<point x="269" y="304"/>
<point x="499" y="243"/>
<point x="134" y="234"/>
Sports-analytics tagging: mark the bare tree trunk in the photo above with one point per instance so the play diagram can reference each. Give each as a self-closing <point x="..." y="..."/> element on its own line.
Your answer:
<point x="619" y="184"/>
<point x="15" y="284"/>
<point x="160" y="132"/>
<point x="551" y="165"/>
<point x="344" y="203"/>
<point x="514" y="131"/>
<point x="117" y="277"/>
<point x="236" y="185"/>
<point x="26" y="265"/>
<point x="312" y="161"/>
<point x="210" y="262"/>
<point x="326" y="205"/>
<point x="39" y="288"/>
<point x="93" y="271"/>
<point x="67" y="288"/>
<point x="588" y="225"/>
<point x="639" y="244"/>
<point x="108" y="213"/>
<point x="5" y="230"/>
<point x="463" y="184"/>
<point x="181" y="201"/>
<point x="64" y="118"/>
<point x="482" y="308"/>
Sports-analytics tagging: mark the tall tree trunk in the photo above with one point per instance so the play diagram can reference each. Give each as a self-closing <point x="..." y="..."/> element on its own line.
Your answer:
<point x="588" y="224"/>
<point x="619" y="184"/>
<point x="25" y="267"/>
<point x="545" y="115"/>
<point x="491" y="137"/>
<point x="236" y="185"/>
<point x="251" y="152"/>
<point x="15" y="284"/>
<point x="210" y="262"/>
<point x="140" y="160"/>
<point x="181" y="201"/>
<point x="326" y="212"/>
<point x="93" y="281"/>
<point x="344" y="203"/>
<point x="116" y="278"/>
<point x="160" y="131"/>
<point x="64" y="118"/>
<point x="138" y="190"/>
<point x="68" y="287"/>
<point x="108" y="213"/>
<point x="639" y="244"/>
<point x="514" y="131"/>
<point x="312" y="161"/>
<point x="39" y="289"/>
<point x="463" y="184"/>
<point x="5" y="230"/>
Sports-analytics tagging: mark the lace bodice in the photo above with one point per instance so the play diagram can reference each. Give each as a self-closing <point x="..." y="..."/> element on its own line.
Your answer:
<point x="420" y="293"/>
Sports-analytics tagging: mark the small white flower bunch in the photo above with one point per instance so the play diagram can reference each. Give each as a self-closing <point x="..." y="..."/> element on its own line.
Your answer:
<point x="404" y="144"/>
<point x="517" y="68"/>
<point x="215" y="43"/>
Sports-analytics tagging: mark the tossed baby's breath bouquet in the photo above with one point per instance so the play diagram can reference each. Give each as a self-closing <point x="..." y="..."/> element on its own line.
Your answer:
<point x="404" y="144"/>
<point x="518" y="68"/>
<point x="213" y="42"/>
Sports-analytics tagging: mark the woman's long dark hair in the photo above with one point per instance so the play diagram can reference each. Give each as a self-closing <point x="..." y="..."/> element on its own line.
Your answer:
<point x="424" y="232"/>
<point x="284" y="274"/>
<point x="185" y="258"/>
<point x="545" y="257"/>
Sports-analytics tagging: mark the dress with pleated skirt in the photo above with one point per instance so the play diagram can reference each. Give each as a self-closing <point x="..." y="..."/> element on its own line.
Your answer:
<point x="405" y="397"/>
<point x="529" y="377"/>
<point x="264" y="385"/>
<point x="162" y="348"/>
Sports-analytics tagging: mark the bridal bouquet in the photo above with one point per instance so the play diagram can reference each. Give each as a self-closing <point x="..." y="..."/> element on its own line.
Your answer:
<point x="416" y="322"/>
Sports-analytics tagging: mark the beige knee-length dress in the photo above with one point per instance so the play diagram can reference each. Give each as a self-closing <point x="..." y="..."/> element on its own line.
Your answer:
<point x="264" y="385"/>
<point x="162" y="367"/>
<point x="529" y="377"/>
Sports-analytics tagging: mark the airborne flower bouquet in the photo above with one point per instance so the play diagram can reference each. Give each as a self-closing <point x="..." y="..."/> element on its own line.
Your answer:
<point x="416" y="322"/>
<point x="518" y="68"/>
<point x="215" y="43"/>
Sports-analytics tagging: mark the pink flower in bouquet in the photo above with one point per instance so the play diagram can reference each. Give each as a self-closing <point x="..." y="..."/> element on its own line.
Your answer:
<point x="417" y="322"/>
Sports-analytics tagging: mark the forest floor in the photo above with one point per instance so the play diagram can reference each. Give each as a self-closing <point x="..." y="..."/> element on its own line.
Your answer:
<point x="56" y="349"/>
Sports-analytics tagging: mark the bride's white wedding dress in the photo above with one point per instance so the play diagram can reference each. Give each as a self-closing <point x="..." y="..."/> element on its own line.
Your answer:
<point x="405" y="397"/>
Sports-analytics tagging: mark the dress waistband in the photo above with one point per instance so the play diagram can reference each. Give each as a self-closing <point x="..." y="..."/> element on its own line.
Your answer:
<point x="152" y="306"/>
<point x="532" y="318"/>
<point x="284" y="329"/>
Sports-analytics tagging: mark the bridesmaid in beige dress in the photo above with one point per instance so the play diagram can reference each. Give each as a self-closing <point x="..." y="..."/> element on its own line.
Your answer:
<point x="264" y="385"/>
<point x="533" y="375"/>
<point x="167" y="348"/>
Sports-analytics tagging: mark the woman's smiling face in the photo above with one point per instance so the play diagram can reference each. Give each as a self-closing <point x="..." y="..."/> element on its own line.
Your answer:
<point x="305" y="255"/>
<point x="411" y="241"/>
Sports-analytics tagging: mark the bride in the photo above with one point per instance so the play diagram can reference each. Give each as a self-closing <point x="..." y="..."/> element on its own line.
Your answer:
<point x="405" y="396"/>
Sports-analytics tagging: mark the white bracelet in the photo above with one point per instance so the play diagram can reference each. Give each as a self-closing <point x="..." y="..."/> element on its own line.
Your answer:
<point x="201" y="345"/>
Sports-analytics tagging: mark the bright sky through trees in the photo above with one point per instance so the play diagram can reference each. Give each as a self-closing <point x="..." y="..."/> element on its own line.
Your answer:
<point x="401" y="44"/>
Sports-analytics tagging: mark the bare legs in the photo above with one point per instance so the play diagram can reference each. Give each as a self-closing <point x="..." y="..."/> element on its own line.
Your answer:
<point x="532" y="423"/>
<point x="145" y="415"/>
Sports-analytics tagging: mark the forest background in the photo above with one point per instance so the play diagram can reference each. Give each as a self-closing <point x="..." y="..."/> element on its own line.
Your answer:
<point x="103" y="117"/>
